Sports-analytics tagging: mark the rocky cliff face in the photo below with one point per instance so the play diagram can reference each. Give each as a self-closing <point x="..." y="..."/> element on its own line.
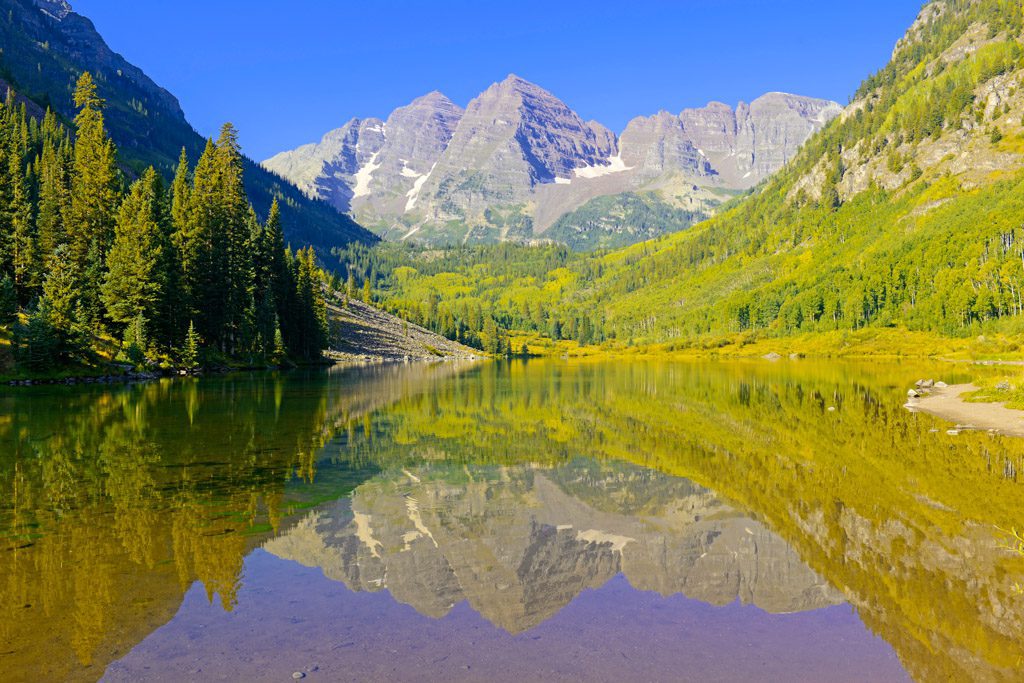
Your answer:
<point x="417" y="135"/>
<point x="330" y="169"/>
<point x="514" y="137"/>
<point x="372" y="167"/>
<point x="520" y="545"/>
<point x="519" y="158"/>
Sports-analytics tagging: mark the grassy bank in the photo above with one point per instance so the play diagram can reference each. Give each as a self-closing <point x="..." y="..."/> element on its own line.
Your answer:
<point x="878" y="343"/>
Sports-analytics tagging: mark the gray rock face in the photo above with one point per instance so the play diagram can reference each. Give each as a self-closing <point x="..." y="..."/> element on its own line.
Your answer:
<point x="514" y="137"/>
<point x="658" y="144"/>
<point x="734" y="149"/>
<point x="521" y="545"/>
<point x="330" y="169"/>
<point x="58" y="9"/>
<point x="371" y="168"/>
<point x="519" y="158"/>
<point x="417" y="134"/>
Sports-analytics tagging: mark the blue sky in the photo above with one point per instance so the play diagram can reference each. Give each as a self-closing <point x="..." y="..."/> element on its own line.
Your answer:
<point x="285" y="72"/>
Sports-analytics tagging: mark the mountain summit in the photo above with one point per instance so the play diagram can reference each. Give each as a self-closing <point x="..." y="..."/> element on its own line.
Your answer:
<point x="519" y="161"/>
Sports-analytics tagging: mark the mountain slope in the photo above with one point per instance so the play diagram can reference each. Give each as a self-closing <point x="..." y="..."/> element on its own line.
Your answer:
<point x="46" y="46"/>
<point x="904" y="212"/>
<point x="519" y="159"/>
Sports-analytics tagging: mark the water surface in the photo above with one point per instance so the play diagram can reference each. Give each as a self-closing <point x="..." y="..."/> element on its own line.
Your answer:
<point x="522" y="521"/>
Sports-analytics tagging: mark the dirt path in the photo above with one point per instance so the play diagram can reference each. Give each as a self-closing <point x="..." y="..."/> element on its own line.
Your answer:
<point x="945" y="403"/>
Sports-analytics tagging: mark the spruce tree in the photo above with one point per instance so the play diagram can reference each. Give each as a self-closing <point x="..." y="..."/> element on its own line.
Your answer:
<point x="135" y="281"/>
<point x="232" y="239"/>
<point x="8" y="301"/>
<point x="54" y="198"/>
<point x="180" y="193"/>
<point x="37" y="343"/>
<point x="311" y="324"/>
<point x="191" y="349"/>
<point x="23" y="240"/>
<point x="200" y="276"/>
<point x="60" y="290"/>
<point x="60" y="308"/>
<point x="95" y="190"/>
<point x="135" y="341"/>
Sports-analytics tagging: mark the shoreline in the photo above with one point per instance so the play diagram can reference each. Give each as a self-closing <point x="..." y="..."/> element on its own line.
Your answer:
<point x="329" y="361"/>
<point x="946" y="403"/>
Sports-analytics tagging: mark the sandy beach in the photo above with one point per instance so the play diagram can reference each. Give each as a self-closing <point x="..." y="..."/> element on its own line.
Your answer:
<point x="947" y="403"/>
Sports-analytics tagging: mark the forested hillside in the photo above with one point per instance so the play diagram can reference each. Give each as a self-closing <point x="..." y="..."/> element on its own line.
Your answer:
<point x="46" y="47"/>
<point x="176" y="273"/>
<point x="904" y="212"/>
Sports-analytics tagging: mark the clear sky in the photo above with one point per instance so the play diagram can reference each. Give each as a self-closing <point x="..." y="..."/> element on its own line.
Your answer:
<point x="287" y="71"/>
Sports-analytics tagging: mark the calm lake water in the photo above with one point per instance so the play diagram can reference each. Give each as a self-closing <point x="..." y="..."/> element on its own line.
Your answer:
<point x="508" y="522"/>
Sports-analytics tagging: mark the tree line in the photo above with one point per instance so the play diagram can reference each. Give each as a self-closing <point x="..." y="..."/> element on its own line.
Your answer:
<point x="478" y="295"/>
<point x="179" y="273"/>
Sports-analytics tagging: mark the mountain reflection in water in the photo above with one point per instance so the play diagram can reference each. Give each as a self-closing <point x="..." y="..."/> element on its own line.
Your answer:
<point x="558" y="504"/>
<point x="519" y="543"/>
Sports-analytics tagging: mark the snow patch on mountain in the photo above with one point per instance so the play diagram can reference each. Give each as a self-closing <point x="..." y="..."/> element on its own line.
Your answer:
<point x="615" y="165"/>
<point x="364" y="175"/>
<point x="414" y="193"/>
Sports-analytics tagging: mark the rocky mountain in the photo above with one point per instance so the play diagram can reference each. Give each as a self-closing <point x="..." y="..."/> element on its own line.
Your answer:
<point x="46" y="46"/>
<point x="521" y="543"/>
<point x="902" y="213"/>
<point x="736" y="148"/>
<point x="519" y="159"/>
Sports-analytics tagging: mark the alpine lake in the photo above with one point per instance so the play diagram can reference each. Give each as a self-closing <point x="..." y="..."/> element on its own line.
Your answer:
<point x="509" y="521"/>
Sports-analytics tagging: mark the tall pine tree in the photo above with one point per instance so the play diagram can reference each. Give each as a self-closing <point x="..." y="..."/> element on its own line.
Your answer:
<point x="95" y="191"/>
<point x="135" y="282"/>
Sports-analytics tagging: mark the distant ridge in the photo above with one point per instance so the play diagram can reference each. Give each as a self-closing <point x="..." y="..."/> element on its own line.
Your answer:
<point x="518" y="159"/>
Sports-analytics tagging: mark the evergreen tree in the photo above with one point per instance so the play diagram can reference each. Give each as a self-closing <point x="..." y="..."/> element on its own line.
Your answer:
<point x="37" y="344"/>
<point x="95" y="189"/>
<point x="490" y="335"/>
<point x="190" y="352"/>
<point x="135" y="341"/>
<point x="60" y="308"/>
<point x="231" y="240"/>
<point x="23" y="241"/>
<point x="311" y="334"/>
<point x="8" y="301"/>
<point x="135" y="280"/>
<point x="180" y="194"/>
<point x="202" y="288"/>
<point x="54" y="202"/>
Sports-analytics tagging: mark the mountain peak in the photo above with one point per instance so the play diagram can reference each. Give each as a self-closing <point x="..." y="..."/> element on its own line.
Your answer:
<point x="475" y="169"/>
<point x="516" y="84"/>
<point x="433" y="97"/>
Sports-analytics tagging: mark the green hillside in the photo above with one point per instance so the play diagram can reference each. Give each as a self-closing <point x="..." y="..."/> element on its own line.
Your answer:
<point x="620" y="220"/>
<point x="905" y="212"/>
